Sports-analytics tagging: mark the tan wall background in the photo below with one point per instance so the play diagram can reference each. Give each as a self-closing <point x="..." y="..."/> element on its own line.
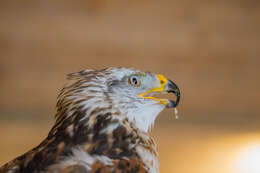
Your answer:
<point x="209" y="48"/>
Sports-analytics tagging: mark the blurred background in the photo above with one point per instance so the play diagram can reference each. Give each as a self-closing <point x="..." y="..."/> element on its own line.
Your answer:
<point x="209" y="48"/>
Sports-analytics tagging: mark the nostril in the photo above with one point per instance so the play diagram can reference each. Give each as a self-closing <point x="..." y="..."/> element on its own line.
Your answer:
<point x="162" y="82"/>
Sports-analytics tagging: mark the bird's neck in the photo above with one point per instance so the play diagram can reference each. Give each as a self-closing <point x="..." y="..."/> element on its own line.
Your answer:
<point x="106" y="134"/>
<point x="111" y="134"/>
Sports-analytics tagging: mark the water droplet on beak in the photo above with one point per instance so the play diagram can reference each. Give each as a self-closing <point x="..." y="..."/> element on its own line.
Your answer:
<point x="176" y="113"/>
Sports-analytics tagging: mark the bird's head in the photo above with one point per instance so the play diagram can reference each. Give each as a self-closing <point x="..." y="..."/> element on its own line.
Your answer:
<point x="127" y="91"/>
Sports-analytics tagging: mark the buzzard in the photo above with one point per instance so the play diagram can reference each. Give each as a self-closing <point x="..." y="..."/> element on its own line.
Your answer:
<point x="101" y="125"/>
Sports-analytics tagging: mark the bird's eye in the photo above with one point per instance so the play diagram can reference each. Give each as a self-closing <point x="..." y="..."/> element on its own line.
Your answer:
<point x="135" y="81"/>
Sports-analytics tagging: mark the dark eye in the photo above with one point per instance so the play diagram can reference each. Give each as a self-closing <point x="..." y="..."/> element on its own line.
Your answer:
<point x="135" y="81"/>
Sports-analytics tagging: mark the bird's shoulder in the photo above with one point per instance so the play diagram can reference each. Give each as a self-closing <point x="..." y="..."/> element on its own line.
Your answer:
<point x="109" y="144"/>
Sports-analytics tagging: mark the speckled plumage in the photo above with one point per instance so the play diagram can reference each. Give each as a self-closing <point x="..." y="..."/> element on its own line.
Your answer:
<point x="101" y="126"/>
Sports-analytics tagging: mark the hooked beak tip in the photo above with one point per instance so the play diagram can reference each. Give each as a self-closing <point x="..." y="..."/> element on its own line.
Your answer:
<point x="171" y="87"/>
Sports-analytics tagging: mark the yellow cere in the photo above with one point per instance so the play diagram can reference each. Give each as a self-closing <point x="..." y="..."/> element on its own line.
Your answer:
<point x="163" y="82"/>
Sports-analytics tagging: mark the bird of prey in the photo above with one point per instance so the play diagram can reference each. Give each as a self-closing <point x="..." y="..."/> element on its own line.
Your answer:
<point x="102" y="125"/>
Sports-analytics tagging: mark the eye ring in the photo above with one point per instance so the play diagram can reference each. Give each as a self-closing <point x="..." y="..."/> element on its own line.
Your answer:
<point x="134" y="81"/>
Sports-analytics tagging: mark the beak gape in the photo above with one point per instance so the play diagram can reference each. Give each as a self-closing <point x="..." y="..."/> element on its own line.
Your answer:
<point x="171" y="87"/>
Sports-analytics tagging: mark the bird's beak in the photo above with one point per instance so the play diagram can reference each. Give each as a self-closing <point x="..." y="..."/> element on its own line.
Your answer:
<point x="171" y="87"/>
<point x="166" y="86"/>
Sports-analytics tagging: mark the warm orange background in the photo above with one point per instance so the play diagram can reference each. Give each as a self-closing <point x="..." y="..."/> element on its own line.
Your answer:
<point x="209" y="48"/>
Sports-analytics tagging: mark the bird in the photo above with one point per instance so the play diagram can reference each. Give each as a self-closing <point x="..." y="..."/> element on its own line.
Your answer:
<point x="102" y="124"/>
